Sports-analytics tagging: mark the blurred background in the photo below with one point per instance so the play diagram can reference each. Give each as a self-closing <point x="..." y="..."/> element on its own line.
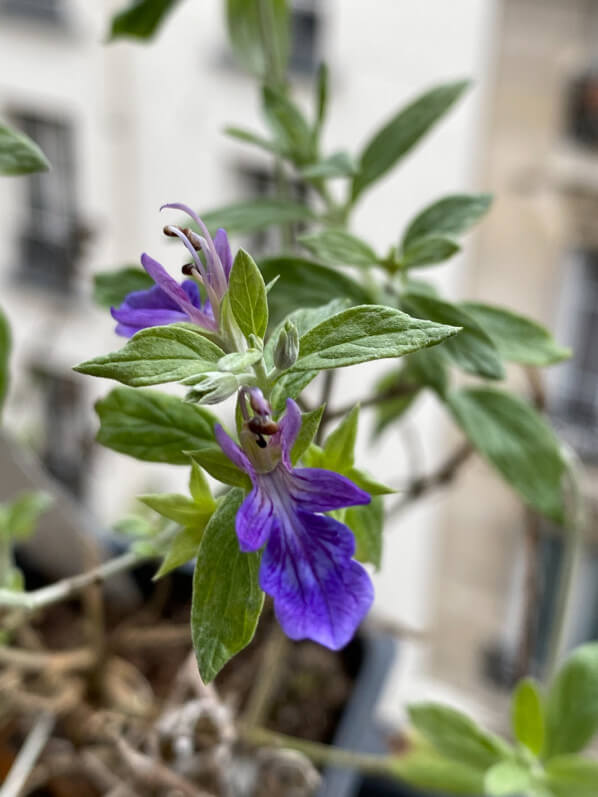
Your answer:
<point x="128" y="127"/>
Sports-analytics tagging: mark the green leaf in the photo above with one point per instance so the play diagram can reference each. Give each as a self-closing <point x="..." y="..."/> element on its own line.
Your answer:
<point x="448" y="217"/>
<point x="310" y="422"/>
<point x="339" y="164"/>
<point x="156" y="355"/>
<point x="5" y="346"/>
<point x="362" y="479"/>
<point x="367" y="524"/>
<point x="517" y="338"/>
<point x="427" y="368"/>
<point x="141" y="19"/>
<point x="253" y="138"/>
<point x="256" y="214"/>
<point x="362" y="334"/>
<point x="153" y="426"/>
<point x="111" y="287"/>
<point x="428" y="251"/>
<point x="290" y="127"/>
<point x="177" y="507"/>
<point x="23" y="513"/>
<point x="527" y="715"/>
<point x="245" y="30"/>
<point x="455" y="735"/>
<point x="227" y="600"/>
<point x="428" y="770"/>
<point x="403" y="131"/>
<point x="339" y="248"/>
<point x="340" y="443"/>
<point x="507" y="779"/>
<point x="183" y="548"/>
<point x="247" y="294"/>
<point x="321" y="98"/>
<point x="199" y="487"/>
<point x="306" y="284"/>
<point x="238" y="361"/>
<point x="19" y="154"/>
<point x="213" y="460"/>
<point x="572" y="703"/>
<point x="572" y="776"/>
<point x="472" y="349"/>
<point x="517" y="441"/>
<point x="392" y="409"/>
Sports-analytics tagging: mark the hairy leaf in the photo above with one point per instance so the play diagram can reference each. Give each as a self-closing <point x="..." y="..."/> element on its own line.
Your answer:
<point x="339" y="248"/>
<point x="429" y="251"/>
<point x="213" y="460"/>
<point x="247" y="295"/>
<point x="227" y="600"/>
<point x="153" y="426"/>
<point x="156" y="355"/>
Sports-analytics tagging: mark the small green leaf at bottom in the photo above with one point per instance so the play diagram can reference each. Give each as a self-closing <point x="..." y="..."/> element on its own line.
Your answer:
<point x="227" y="600"/>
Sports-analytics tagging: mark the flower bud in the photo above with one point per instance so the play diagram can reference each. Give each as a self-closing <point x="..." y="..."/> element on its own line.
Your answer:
<point x="287" y="346"/>
<point x="213" y="387"/>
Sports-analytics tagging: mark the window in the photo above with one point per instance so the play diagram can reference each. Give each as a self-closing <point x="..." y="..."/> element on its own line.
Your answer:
<point x="582" y="110"/>
<point x="46" y="10"/>
<point x="305" y="29"/>
<point x="260" y="182"/>
<point x="573" y="387"/>
<point x="65" y="445"/>
<point x="49" y="234"/>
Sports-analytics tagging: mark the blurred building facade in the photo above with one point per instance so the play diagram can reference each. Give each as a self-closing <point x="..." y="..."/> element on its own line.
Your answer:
<point x="537" y="254"/>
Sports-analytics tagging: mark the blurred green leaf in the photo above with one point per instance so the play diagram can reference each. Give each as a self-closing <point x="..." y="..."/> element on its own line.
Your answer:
<point x="403" y="131"/>
<point x="256" y="214"/>
<point x="157" y="355"/>
<point x="517" y="338"/>
<point x="291" y="130"/>
<point x="321" y="98"/>
<point x="111" y="287"/>
<point x="227" y="600"/>
<point x="5" y="346"/>
<point x="427" y="769"/>
<point x="247" y="295"/>
<point x="367" y="524"/>
<point x="572" y="703"/>
<point x="182" y="548"/>
<point x="472" y="349"/>
<point x="517" y="441"/>
<point x="507" y="779"/>
<point x="448" y="217"/>
<point x="572" y="776"/>
<point x="23" y="513"/>
<point x="19" y="154"/>
<point x="339" y="248"/>
<point x="179" y="508"/>
<point x="246" y="29"/>
<point x="249" y="137"/>
<point x="428" y="251"/>
<point x="153" y="426"/>
<point x="340" y="164"/>
<point x="455" y="735"/>
<point x="390" y="410"/>
<point x="141" y="19"/>
<point x="527" y="715"/>
<point x="306" y="284"/>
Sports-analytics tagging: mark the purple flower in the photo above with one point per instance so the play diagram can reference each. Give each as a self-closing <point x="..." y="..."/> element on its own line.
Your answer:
<point x="168" y="302"/>
<point x="319" y="591"/>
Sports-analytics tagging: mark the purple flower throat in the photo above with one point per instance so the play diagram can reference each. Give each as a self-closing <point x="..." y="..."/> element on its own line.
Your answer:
<point x="168" y="302"/>
<point x="320" y="592"/>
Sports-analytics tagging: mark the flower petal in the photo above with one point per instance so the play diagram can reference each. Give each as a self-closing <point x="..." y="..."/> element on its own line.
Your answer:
<point x="191" y="288"/>
<point x="141" y="319"/>
<point x="254" y="520"/>
<point x="234" y="452"/>
<point x="289" y="426"/>
<point x="223" y="248"/>
<point x="149" y="299"/>
<point x="318" y="490"/>
<point x="175" y="292"/>
<point x="319" y="592"/>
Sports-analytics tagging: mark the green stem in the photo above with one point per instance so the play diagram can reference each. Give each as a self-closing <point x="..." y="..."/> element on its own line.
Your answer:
<point x="320" y="754"/>
<point x="573" y="541"/>
<point x="6" y="560"/>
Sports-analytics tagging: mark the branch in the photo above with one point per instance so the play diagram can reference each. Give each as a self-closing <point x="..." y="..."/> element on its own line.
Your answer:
<point x="318" y="753"/>
<point x="68" y="587"/>
<point x="28" y="755"/>
<point x="398" y="391"/>
<point x="438" y="478"/>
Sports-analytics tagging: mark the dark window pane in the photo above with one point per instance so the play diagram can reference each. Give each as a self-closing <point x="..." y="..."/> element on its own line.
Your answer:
<point x="48" y="10"/>
<point x="304" y="40"/>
